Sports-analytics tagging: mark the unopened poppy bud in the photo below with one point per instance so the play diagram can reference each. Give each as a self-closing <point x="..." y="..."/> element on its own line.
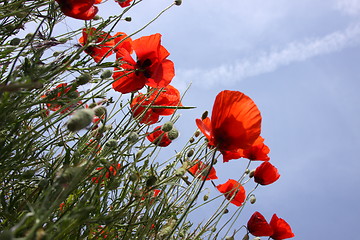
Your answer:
<point x="226" y="211"/>
<point x="15" y="41"/>
<point x="252" y="199"/>
<point x="99" y="111"/>
<point x="206" y="197"/>
<point x="167" y="126"/>
<point x="178" y="2"/>
<point x="180" y="171"/>
<point x="133" y="137"/>
<point x="173" y="134"/>
<point x="251" y="174"/>
<point x="92" y="105"/>
<point x="229" y="238"/>
<point x="213" y="229"/>
<point x="204" y="115"/>
<point x="134" y="177"/>
<point x="80" y="119"/>
<point x="256" y="238"/>
<point x="197" y="133"/>
<point x="246" y="237"/>
<point x="190" y="153"/>
<point x="106" y="74"/>
<point x="128" y="19"/>
<point x="191" y="140"/>
<point x="139" y="154"/>
<point x="151" y="181"/>
<point x="83" y="79"/>
<point x="97" y="17"/>
<point x="247" y="171"/>
<point x="112" y="143"/>
<point x="185" y="178"/>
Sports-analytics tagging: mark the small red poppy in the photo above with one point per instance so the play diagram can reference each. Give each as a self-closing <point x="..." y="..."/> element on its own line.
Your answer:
<point x="124" y="3"/>
<point x="151" y="68"/>
<point x="141" y="105"/>
<point x="201" y="169"/>
<point x="281" y="229"/>
<point x="266" y="174"/>
<point x="112" y="171"/>
<point x="233" y="191"/>
<point x="122" y="41"/>
<point x="258" y="226"/>
<point x="159" y="137"/>
<point x="257" y="152"/>
<point x="61" y="96"/>
<point x="235" y="122"/>
<point x="79" y="9"/>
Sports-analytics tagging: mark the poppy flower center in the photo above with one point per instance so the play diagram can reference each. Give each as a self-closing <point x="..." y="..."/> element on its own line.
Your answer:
<point x="143" y="68"/>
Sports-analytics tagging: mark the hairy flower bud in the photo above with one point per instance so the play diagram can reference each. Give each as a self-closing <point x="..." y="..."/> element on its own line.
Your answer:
<point x="112" y="143"/>
<point x="106" y="74"/>
<point x="190" y="153"/>
<point x="197" y="133"/>
<point x="178" y="2"/>
<point x="168" y="126"/>
<point x="80" y="119"/>
<point x="206" y="197"/>
<point x="15" y="41"/>
<point x="128" y="19"/>
<point x="204" y="115"/>
<point x="251" y="174"/>
<point x="83" y="79"/>
<point x="246" y="237"/>
<point x="99" y="111"/>
<point x="173" y="134"/>
<point x="133" y="137"/>
<point x="252" y="199"/>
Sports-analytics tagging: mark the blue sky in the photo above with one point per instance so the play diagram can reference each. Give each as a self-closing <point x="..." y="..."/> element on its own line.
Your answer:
<point x="298" y="60"/>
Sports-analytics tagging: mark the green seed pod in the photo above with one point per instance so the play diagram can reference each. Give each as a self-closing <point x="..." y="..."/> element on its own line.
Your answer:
<point x="106" y="74"/>
<point x="226" y="211"/>
<point x="99" y="111"/>
<point x="15" y="41"/>
<point x="80" y="119"/>
<point x="168" y="126"/>
<point x="173" y="134"/>
<point x="83" y="79"/>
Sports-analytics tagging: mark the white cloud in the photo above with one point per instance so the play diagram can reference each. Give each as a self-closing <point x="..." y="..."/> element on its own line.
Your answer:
<point x="273" y="59"/>
<point x="350" y="7"/>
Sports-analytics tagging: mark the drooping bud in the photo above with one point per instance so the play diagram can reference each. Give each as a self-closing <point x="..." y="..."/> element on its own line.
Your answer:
<point x="204" y="115"/>
<point x="226" y="211"/>
<point x="191" y="140"/>
<point x="80" y="119"/>
<point x="178" y="2"/>
<point x="133" y="137"/>
<point x="247" y="171"/>
<point x="83" y="79"/>
<point x="197" y="133"/>
<point x="251" y="174"/>
<point x="168" y="126"/>
<point x="252" y="199"/>
<point x="99" y="111"/>
<point x="173" y="134"/>
<point x="128" y="19"/>
<point x="106" y="74"/>
<point x="190" y="153"/>
<point x="206" y="197"/>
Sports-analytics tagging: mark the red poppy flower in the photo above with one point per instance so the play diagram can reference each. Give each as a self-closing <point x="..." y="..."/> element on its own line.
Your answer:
<point x="124" y="3"/>
<point x="258" y="226"/>
<point x="159" y="137"/>
<point x="79" y="9"/>
<point x="156" y="193"/>
<point x="60" y="96"/>
<point x="125" y="42"/>
<point x="233" y="191"/>
<point x="281" y="229"/>
<point x="103" y="41"/>
<point x="257" y="152"/>
<point x="235" y="122"/>
<point x="200" y="169"/>
<point x="151" y="68"/>
<point x="112" y="171"/>
<point x="266" y="174"/>
<point x="166" y="97"/>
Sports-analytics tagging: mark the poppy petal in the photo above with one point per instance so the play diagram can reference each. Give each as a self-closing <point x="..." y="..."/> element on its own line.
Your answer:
<point x="281" y="229"/>
<point x="258" y="226"/>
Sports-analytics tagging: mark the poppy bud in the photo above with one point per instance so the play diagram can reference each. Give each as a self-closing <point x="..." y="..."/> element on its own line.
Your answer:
<point x="180" y="171"/>
<point x="92" y="105"/>
<point x="99" y="111"/>
<point x="251" y="174"/>
<point x="112" y="143"/>
<point x="133" y="137"/>
<point x="191" y="140"/>
<point x="229" y="238"/>
<point x="247" y="171"/>
<point x="197" y="133"/>
<point x="106" y="74"/>
<point x="83" y="79"/>
<point x="252" y="199"/>
<point x="128" y="19"/>
<point x="167" y="126"/>
<point x="178" y="2"/>
<point x="173" y="134"/>
<point x="80" y="119"/>
<point x="97" y="17"/>
<point x="246" y="237"/>
<point x="206" y="197"/>
<point x="15" y="41"/>
<point x="204" y="115"/>
<point x="213" y="229"/>
<point x="134" y="177"/>
<point x="190" y="153"/>
<point x="63" y="40"/>
<point x="226" y="211"/>
<point x="151" y="181"/>
<point x="256" y="238"/>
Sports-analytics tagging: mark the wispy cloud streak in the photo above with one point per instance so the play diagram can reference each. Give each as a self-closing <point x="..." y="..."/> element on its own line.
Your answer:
<point x="274" y="59"/>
